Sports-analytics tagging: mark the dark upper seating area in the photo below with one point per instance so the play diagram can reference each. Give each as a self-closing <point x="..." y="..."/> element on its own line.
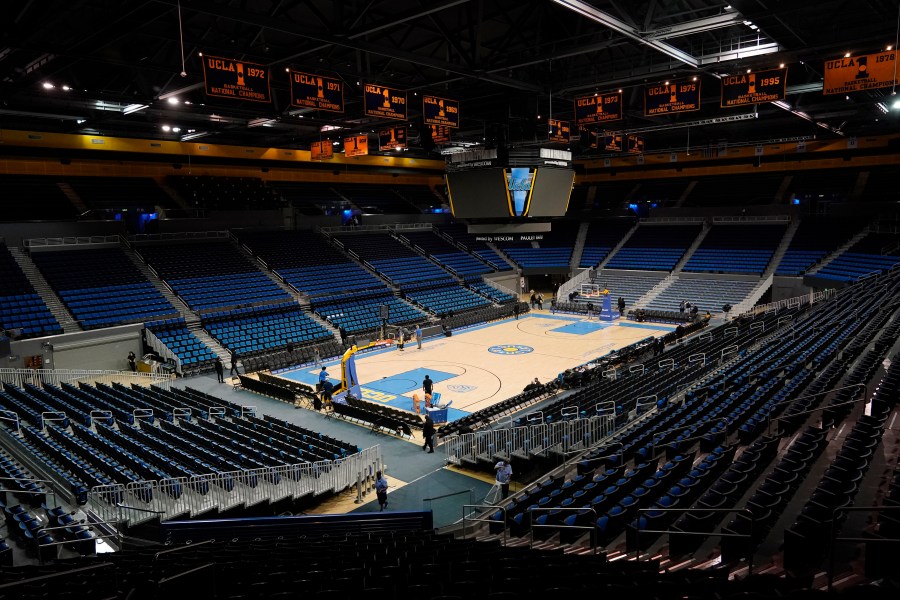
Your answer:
<point x="211" y="274"/>
<point x="875" y="253"/>
<point x="655" y="247"/>
<point x="377" y="199"/>
<point x="459" y="233"/>
<point x="815" y="238"/>
<point x="117" y="193"/>
<point x="309" y="198"/>
<point x="602" y="237"/>
<point x="662" y="192"/>
<point x="881" y="186"/>
<point x="833" y="185"/>
<point x="34" y="198"/>
<point x="309" y="262"/>
<point x="737" y="189"/>
<point x="459" y="262"/>
<point x="396" y="261"/>
<point x="612" y="194"/>
<point x="225" y="193"/>
<point x="421" y="196"/>
<point x="20" y="306"/>
<point x="101" y="286"/>
<point x="743" y="249"/>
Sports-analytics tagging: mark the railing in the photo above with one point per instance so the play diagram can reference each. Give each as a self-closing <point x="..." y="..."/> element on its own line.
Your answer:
<point x="467" y="518"/>
<point x="387" y="227"/>
<point x="161" y="349"/>
<point x="591" y="528"/>
<point x="651" y="220"/>
<point x="753" y="219"/>
<point x="501" y="288"/>
<point x="833" y="539"/>
<point x="199" y="493"/>
<point x="563" y="436"/>
<point x="573" y="284"/>
<point x="181" y="235"/>
<point x="429" y="503"/>
<point x="38" y="377"/>
<point x="35" y="243"/>
<point x="792" y="302"/>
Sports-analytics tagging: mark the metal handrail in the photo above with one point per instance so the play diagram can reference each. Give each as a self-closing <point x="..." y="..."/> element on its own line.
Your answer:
<point x="749" y="536"/>
<point x="480" y="520"/>
<point x="550" y="509"/>
<point x="865" y="390"/>
<point x="832" y="539"/>
<point x="66" y="573"/>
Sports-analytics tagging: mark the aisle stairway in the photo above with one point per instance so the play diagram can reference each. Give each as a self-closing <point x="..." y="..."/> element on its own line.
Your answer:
<point x="691" y="249"/>
<point x="158" y="283"/>
<point x="43" y="289"/>
<point x="579" y="246"/>
<point x="618" y="246"/>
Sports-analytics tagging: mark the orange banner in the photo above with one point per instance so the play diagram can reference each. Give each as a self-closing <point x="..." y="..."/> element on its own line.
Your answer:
<point x="855" y="73"/>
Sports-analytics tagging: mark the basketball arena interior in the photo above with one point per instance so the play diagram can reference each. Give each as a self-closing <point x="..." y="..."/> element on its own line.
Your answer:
<point x="449" y="299"/>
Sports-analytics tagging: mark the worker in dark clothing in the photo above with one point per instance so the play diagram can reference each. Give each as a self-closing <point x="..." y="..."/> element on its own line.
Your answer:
<point x="132" y="364"/>
<point x="234" y="361"/>
<point x="427" y="385"/>
<point x="621" y="305"/>
<point x="343" y="333"/>
<point x="428" y="434"/>
<point x="220" y="370"/>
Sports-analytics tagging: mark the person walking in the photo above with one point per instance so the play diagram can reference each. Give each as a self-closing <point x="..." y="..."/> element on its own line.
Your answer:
<point x="381" y="488"/>
<point x="220" y="370"/>
<point x="317" y="357"/>
<point x="323" y="377"/>
<point x="401" y="337"/>
<point x="132" y="364"/>
<point x="234" y="361"/>
<point x="343" y="333"/>
<point x="419" y="336"/>
<point x="516" y="310"/>
<point x="504" y="474"/>
<point x="427" y="385"/>
<point x="428" y="434"/>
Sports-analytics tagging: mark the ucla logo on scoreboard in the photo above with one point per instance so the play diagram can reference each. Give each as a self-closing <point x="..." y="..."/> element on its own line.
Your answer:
<point x="510" y="349"/>
<point x="460" y="388"/>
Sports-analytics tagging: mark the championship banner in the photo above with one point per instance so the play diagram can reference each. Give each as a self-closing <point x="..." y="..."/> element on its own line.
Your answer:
<point x="385" y="102"/>
<point x="673" y="98"/>
<point x="236" y="79"/>
<point x="754" y="88"/>
<point x="316" y="91"/>
<point x="855" y="73"/>
<point x="598" y="109"/>
<point x="440" y="134"/>
<point x="440" y="111"/>
<point x="612" y="142"/>
<point x="560" y="131"/>
<point x="357" y="145"/>
<point x="392" y="138"/>
<point x="321" y="150"/>
<point x="635" y="144"/>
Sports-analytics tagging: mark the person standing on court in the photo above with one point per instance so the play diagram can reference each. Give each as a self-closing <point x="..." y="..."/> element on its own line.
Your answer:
<point x="220" y="370"/>
<point x="504" y="474"/>
<point x="428" y="434"/>
<point x="343" y="333"/>
<point x="381" y="487"/>
<point x="516" y="310"/>
<point x="323" y="377"/>
<point x="419" y="336"/>
<point x="427" y="385"/>
<point x="401" y="337"/>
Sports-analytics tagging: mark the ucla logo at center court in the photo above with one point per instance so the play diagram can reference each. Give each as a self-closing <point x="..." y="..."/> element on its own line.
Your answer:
<point x="510" y="349"/>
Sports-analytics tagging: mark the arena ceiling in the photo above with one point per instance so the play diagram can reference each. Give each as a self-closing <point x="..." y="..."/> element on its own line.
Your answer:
<point x="84" y="66"/>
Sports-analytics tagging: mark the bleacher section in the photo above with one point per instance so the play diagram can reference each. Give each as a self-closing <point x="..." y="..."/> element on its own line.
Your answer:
<point x="116" y="193"/>
<point x="174" y="334"/>
<point x="309" y="198"/>
<point x="262" y="329"/>
<point x="376" y="199"/>
<point x="210" y="274"/>
<point x="815" y="238"/>
<point x="490" y="291"/>
<point x="630" y="286"/>
<point x="459" y="262"/>
<point x="225" y="193"/>
<point x="460" y="233"/>
<point x="447" y="299"/>
<point x="101" y="286"/>
<point x="745" y="249"/>
<point x="421" y="196"/>
<point x="875" y="253"/>
<point x="358" y="313"/>
<point x="394" y="260"/>
<point x="309" y="263"/>
<point x="655" y="247"/>
<point x="708" y="294"/>
<point x="34" y="198"/>
<point x="602" y="237"/>
<point x="20" y="306"/>
<point x="555" y="251"/>
<point x="811" y="187"/>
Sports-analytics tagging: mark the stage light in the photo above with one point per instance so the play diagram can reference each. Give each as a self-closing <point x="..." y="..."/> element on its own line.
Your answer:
<point x="172" y="100"/>
<point x="48" y="86"/>
<point x="166" y="128"/>
<point x="66" y="88"/>
<point x="781" y="66"/>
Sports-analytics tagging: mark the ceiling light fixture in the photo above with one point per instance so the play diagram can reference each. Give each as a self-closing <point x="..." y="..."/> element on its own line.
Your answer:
<point x="48" y="86"/>
<point x="133" y="108"/>
<point x="172" y="100"/>
<point x="166" y="128"/>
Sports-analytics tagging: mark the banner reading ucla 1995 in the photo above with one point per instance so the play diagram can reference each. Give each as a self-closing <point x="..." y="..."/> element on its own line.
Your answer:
<point x="598" y="108"/>
<point x="753" y="88"/>
<point x="440" y="111"/>
<point x="855" y="73"/>
<point x="680" y="96"/>
<point x="317" y="91"/>
<point x="385" y="102"/>
<point x="237" y="79"/>
<point x="560" y="131"/>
